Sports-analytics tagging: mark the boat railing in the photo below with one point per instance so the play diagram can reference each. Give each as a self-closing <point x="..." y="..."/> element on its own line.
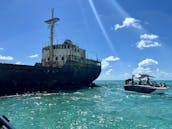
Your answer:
<point x="130" y="82"/>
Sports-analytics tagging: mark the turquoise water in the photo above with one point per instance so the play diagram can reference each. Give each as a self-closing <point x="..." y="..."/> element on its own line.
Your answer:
<point x="105" y="107"/>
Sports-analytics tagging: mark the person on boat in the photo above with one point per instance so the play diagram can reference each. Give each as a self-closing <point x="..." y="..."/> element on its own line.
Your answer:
<point x="140" y="81"/>
<point x="126" y="82"/>
<point x="148" y="81"/>
<point x="132" y="80"/>
<point x="163" y="85"/>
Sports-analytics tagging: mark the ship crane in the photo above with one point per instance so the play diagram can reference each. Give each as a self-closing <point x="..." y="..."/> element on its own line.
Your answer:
<point x="52" y="22"/>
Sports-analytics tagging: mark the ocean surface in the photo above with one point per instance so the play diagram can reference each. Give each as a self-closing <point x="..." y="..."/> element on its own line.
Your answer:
<point x="104" y="107"/>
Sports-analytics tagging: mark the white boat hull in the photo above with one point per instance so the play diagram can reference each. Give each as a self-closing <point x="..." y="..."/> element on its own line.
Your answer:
<point x="160" y="90"/>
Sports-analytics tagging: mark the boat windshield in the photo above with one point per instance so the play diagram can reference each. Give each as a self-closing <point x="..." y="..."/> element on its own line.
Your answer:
<point x="154" y="83"/>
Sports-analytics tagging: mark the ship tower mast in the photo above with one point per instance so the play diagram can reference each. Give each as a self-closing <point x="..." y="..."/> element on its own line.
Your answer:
<point x="52" y="22"/>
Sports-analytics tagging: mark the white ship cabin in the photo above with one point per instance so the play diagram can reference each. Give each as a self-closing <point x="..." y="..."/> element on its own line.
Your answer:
<point x="61" y="52"/>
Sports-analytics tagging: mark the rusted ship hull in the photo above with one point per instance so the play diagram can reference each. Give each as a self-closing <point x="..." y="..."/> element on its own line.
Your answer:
<point x="19" y="79"/>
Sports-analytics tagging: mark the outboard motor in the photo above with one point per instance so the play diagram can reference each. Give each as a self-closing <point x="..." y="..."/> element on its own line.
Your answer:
<point x="4" y="123"/>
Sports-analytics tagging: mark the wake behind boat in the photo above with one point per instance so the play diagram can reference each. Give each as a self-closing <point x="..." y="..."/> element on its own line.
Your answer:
<point x="144" y="86"/>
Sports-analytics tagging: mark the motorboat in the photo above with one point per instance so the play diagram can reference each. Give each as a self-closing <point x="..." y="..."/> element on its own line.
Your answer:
<point x="143" y="83"/>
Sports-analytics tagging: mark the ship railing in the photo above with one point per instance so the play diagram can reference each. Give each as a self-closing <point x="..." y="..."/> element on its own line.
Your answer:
<point x="84" y="60"/>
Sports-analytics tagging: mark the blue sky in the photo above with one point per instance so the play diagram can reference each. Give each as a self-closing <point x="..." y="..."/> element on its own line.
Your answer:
<point x="129" y="37"/>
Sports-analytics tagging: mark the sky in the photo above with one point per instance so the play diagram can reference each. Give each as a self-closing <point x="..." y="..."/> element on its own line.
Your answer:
<point x="128" y="36"/>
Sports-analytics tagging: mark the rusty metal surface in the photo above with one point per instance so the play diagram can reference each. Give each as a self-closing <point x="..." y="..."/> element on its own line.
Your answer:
<point x="22" y="78"/>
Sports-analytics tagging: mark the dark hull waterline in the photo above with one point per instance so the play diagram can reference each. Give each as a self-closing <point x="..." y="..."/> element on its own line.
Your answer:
<point x="19" y="79"/>
<point x="139" y="89"/>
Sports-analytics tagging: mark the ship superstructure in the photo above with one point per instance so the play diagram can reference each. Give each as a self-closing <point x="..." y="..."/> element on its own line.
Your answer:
<point x="57" y="55"/>
<point x="61" y="53"/>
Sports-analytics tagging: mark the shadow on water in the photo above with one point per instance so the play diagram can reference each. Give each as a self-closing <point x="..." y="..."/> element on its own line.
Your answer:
<point x="75" y="89"/>
<point x="65" y="90"/>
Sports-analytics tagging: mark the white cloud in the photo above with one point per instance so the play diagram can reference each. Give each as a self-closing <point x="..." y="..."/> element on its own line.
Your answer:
<point x="149" y="66"/>
<point x="112" y="58"/>
<point x="147" y="62"/>
<point x="157" y="73"/>
<point x="145" y="66"/>
<point x="107" y="73"/>
<point x="6" y="57"/>
<point x="162" y="75"/>
<point x="129" y="22"/>
<point x="142" y="70"/>
<point x="1" y="48"/>
<point x="149" y="36"/>
<point x="106" y="62"/>
<point x="34" y="56"/>
<point x="147" y="41"/>
<point x="19" y="63"/>
<point x="147" y="44"/>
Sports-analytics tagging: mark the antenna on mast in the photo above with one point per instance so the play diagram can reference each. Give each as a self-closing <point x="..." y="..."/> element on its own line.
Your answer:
<point x="52" y="12"/>
<point x="52" y="22"/>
